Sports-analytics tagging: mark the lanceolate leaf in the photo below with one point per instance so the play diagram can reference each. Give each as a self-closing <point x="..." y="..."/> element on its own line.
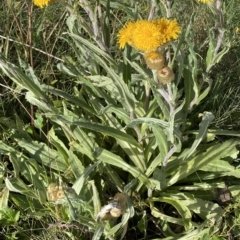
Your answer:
<point x="78" y="185"/>
<point x="190" y="78"/>
<point x="16" y="74"/>
<point x="117" y="161"/>
<point x="149" y="121"/>
<point x="4" y="195"/>
<point x="44" y="154"/>
<point x="161" y="140"/>
<point x="221" y="166"/>
<point x="94" y="49"/>
<point x="96" y="199"/>
<point x="159" y="99"/>
<point x="189" y="166"/>
<point x="110" y="131"/>
<point x="70" y="98"/>
<point x="135" y="154"/>
<point x="203" y="126"/>
<point x="55" y="141"/>
<point x="98" y="232"/>
<point x="205" y="209"/>
<point x="17" y="185"/>
<point x="158" y="214"/>
<point x="43" y="105"/>
<point x="180" y="207"/>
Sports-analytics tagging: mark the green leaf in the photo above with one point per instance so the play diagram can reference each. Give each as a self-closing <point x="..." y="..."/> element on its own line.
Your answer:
<point x="181" y="169"/>
<point x="98" y="232"/>
<point x="16" y="162"/>
<point x="4" y="195"/>
<point x="210" y="52"/>
<point x="43" y="105"/>
<point x="204" y="209"/>
<point x="112" y="159"/>
<point x="190" y="78"/>
<point x="6" y="149"/>
<point x="161" y="103"/>
<point x="76" y="163"/>
<point x="173" y="121"/>
<point x="42" y="153"/>
<point x="104" y="129"/>
<point x="163" y="148"/>
<point x="17" y="185"/>
<point x="221" y="166"/>
<point x="149" y="121"/>
<point x="212" y="57"/>
<point x="206" y="91"/>
<point x="207" y="118"/>
<point x="118" y="111"/>
<point x="143" y="223"/>
<point x="157" y="214"/>
<point x="70" y="98"/>
<point x="29" y="83"/>
<point x="225" y="49"/>
<point x="20" y="201"/>
<point x="60" y="146"/>
<point x="9" y="216"/>
<point x="223" y="132"/>
<point x="234" y="189"/>
<point x="135" y="154"/>
<point x="113" y="176"/>
<point x="182" y="209"/>
<point x="96" y="199"/>
<point x="79" y="183"/>
<point x="93" y="48"/>
<point x="200" y="233"/>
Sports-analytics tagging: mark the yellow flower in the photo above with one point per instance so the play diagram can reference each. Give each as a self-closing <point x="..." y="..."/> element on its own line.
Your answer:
<point x="145" y="36"/>
<point x="169" y="29"/>
<point x="42" y="3"/>
<point x="205" y="1"/>
<point x="124" y="35"/>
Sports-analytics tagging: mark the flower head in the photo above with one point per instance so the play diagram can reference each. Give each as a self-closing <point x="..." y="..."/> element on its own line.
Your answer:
<point x="169" y="29"/>
<point x="42" y="3"/>
<point x="124" y="35"/>
<point x="205" y="1"/>
<point x="147" y="36"/>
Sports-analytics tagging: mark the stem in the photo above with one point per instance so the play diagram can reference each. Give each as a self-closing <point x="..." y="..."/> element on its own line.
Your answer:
<point x="152" y="10"/>
<point x="137" y="130"/>
<point x="168" y="97"/>
<point x="29" y="39"/>
<point x="164" y="94"/>
<point x="95" y="28"/>
<point x="219" y="24"/>
<point x="169" y="154"/>
<point x="148" y="94"/>
<point x="169" y="12"/>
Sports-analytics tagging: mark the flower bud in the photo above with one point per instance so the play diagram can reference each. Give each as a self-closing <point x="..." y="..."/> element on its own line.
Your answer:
<point x="154" y="60"/>
<point x="165" y="75"/>
<point x="114" y="209"/>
